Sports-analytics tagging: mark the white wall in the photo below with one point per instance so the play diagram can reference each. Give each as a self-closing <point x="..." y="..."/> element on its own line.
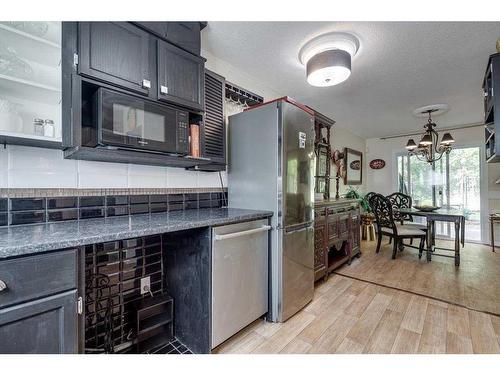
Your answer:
<point x="339" y="139"/>
<point x="384" y="180"/>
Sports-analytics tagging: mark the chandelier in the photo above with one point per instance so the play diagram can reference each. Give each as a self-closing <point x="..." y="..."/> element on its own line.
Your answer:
<point x="428" y="149"/>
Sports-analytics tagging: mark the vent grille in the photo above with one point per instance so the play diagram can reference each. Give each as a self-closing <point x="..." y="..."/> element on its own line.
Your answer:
<point x="214" y="117"/>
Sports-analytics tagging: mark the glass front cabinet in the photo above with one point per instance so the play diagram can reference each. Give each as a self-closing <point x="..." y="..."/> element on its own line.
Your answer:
<point x="30" y="83"/>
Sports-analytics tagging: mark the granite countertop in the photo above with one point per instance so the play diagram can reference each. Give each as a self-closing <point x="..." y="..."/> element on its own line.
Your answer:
<point x="34" y="238"/>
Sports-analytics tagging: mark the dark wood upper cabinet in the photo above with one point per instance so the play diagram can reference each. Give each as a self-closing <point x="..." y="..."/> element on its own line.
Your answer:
<point x="185" y="35"/>
<point x="213" y="141"/>
<point x="180" y="76"/>
<point x="118" y="53"/>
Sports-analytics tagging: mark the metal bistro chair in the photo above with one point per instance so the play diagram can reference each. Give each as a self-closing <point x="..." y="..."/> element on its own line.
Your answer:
<point x="382" y="208"/>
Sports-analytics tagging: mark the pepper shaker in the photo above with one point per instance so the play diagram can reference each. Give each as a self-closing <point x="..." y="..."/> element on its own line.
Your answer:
<point x="38" y="126"/>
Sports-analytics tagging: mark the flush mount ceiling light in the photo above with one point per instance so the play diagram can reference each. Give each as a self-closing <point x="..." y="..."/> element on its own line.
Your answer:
<point x="328" y="58"/>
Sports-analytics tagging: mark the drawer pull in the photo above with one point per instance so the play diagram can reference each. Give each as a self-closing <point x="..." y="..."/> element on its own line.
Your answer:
<point x="219" y="237"/>
<point x="3" y="286"/>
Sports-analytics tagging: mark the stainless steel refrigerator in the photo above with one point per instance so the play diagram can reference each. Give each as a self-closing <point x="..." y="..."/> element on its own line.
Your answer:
<point x="271" y="167"/>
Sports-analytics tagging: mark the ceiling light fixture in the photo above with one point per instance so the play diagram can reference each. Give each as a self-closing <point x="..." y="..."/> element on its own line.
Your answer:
<point x="328" y="58"/>
<point x="428" y="148"/>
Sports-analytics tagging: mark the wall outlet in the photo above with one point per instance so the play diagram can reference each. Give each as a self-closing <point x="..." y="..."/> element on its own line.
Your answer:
<point x="146" y="285"/>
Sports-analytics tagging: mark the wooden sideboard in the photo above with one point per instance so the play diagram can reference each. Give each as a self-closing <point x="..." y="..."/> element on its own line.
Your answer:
<point x="336" y="235"/>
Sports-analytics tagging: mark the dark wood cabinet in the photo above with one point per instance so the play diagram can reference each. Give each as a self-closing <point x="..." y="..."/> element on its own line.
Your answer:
<point x="491" y="87"/>
<point x="38" y="307"/>
<point x="336" y="235"/>
<point x="180" y="76"/>
<point x="213" y="135"/>
<point x="43" y="326"/>
<point x="185" y="35"/>
<point x="320" y="243"/>
<point x="117" y="52"/>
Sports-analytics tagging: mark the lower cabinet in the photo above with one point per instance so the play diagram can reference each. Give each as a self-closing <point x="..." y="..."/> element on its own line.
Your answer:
<point x="336" y="235"/>
<point x="38" y="304"/>
<point x="43" y="326"/>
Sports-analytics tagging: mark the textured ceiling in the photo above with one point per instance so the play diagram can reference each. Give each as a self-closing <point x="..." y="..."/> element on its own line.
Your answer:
<point x="400" y="66"/>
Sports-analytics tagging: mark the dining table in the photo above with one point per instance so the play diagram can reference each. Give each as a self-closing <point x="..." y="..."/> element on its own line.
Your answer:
<point x="450" y="215"/>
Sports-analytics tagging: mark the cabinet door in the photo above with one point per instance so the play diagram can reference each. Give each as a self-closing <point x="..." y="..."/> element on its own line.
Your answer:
<point x="185" y="35"/>
<point x="213" y="135"/>
<point x="355" y="229"/>
<point x="43" y="326"/>
<point x="118" y="53"/>
<point x="319" y="247"/>
<point x="180" y="76"/>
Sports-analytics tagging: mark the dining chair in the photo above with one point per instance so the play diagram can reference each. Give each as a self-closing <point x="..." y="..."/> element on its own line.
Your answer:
<point x="400" y="200"/>
<point x="386" y="226"/>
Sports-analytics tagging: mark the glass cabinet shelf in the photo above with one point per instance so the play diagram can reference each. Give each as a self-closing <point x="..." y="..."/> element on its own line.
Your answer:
<point x="30" y="82"/>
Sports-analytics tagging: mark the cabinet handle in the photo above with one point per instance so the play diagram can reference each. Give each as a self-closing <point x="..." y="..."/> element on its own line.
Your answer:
<point x="220" y="237"/>
<point x="3" y="286"/>
<point x="163" y="90"/>
<point x="146" y="84"/>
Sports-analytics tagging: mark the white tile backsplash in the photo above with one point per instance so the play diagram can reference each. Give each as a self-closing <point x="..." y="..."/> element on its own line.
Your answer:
<point x="180" y="178"/>
<point x="4" y="163"/>
<point x="30" y="167"/>
<point x="145" y="176"/>
<point x="93" y="174"/>
<point x="208" y="179"/>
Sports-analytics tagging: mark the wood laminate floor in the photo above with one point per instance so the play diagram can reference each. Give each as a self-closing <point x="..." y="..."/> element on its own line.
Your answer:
<point x="475" y="284"/>
<point x="354" y="316"/>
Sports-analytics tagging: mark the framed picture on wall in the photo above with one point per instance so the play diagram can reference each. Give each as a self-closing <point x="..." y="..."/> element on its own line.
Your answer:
<point x="353" y="163"/>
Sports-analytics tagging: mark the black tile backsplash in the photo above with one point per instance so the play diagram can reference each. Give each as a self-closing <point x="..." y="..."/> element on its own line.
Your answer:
<point x="176" y="198"/>
<point x="116" y="200"/>
<point x="53" y="209"/>
<point x="160" y="198"/>
<point x="4" y="204"/>
<point x="139" y="208"/>
<point x="91" y="201"/>
<point x="60" y="215"/>
<point x="117" y="210"/>
<point x="27" y="217"/>
<point x="91" y="213"/>
<point x="62" y="202"/>
<point x="158" y="207"/>
<point x="4" y="219"/>
<point x="175" y="206"/>
<point x="139" y="199"/>
<point x="27" y="204"/>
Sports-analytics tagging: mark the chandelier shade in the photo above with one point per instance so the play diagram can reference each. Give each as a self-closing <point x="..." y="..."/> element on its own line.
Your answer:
<point x="411" y="145"/>
<point x="447" y="139"/>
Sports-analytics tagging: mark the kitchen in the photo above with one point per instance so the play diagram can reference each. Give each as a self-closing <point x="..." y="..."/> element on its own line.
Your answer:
<point x="156" y="198"/>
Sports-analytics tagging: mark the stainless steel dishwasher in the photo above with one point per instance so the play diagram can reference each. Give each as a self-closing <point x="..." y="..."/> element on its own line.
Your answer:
<point x="239" y="277"/>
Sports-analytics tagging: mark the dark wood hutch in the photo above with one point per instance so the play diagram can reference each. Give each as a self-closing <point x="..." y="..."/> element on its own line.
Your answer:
<point x="337" y="221"/>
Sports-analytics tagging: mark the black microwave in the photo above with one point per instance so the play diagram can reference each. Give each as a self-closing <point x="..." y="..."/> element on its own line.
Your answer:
<point x="126" y="121"/>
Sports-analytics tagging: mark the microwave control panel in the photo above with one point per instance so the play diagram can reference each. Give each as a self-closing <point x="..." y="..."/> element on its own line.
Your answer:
<point x="182" y="132"/>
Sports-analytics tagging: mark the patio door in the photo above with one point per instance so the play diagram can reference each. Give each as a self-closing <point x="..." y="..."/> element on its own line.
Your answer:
<point x="454" y="181"/>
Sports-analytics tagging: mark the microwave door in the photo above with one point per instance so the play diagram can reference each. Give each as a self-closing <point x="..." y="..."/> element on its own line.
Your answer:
<point x="127" y="121"/>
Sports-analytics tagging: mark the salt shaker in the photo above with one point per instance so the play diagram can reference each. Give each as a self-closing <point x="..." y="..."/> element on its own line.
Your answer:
<point x="38" y="126"/>
<point x="48" y="128"/>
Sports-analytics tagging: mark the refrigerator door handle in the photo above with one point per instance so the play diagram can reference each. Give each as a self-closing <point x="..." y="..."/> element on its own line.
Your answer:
<point x="299" y="228"/>
<point x="220" y="237"/>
